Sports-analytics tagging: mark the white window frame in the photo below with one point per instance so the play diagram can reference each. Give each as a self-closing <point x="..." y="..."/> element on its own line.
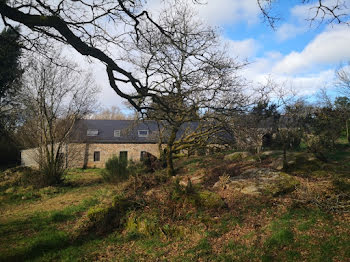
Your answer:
<point x="143" y="131"/>
<point x="92" y="132"/>
<point x="116" y="133"/>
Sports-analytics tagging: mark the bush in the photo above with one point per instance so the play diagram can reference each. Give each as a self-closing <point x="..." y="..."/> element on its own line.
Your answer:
<point x="208" y="199"/>
<point x="198" y="198"/>
<point x="116" y="170"/>
<point x="145" y="224"/>
<point x="291" y="139"/>
<point x="151" y="163"/>
<point x="52" y="174"/>
<point x="342" y="185"/>
<point x="106" y="217"/>
<point x="319" y="146"/>
<point x="22" y="176"/>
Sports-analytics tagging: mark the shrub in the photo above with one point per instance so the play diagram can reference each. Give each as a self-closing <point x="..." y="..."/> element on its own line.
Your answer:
<point x="151" y="163"/>
<point x="35" y="178"/>
<point x="341" y="185"/>
<point x="208" y="199"/>
<point x="319" y="146"/>
<point x="22" y="176"/>
<point x="192" y="195"/>
<point x="145" y="224"/>
<point x="104" y="217"/>
<point x="116" y="170"/>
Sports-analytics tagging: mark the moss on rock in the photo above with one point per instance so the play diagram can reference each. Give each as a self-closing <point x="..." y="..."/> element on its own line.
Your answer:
<point x="210" y="199"/>
<point x="282" y="184"/>
<point x="145" y="224"/>
<point x="105" y="217"/>
<point x="237" y="156"/>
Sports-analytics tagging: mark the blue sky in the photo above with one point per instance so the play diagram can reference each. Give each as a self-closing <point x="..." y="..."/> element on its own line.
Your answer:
<point x="297" y="54"/>
<point x="302" y="55"/>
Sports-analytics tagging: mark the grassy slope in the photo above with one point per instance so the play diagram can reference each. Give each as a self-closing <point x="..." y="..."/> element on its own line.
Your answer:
<point x="171" y="224"/>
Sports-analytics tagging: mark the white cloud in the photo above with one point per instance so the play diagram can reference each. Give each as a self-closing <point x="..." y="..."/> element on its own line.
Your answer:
<point x="107" y="97"/>
<point x="219" y="12"/>
<point x="298" y="68"/>
<point x="243" y="49"/>
<point x="310" y="84"/>
<point x="261" y="66"/>
<point x="331" y="46"/>
<point x="287" y="31"/>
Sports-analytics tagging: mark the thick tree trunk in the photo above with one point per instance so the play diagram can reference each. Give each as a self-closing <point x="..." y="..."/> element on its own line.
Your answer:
<point x="169" y="153"/>
<point x="169" y="162"/>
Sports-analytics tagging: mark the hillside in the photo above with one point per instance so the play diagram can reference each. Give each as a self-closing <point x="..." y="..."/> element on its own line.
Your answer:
<point x="223" y="207"/>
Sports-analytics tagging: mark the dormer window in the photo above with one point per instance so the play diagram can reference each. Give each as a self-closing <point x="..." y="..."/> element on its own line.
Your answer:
<point x="92" y="132"/>
<point x="143" y="133"/>
<point x="116" y="133"/>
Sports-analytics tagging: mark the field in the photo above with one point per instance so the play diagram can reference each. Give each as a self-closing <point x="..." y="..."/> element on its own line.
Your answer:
<point x="218" y="208"/>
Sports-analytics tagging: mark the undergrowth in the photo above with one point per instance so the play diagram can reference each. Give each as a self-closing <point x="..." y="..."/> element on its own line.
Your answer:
<point x="150" y="217"/>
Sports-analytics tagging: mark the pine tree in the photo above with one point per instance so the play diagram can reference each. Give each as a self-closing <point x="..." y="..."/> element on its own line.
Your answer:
<point x="10" y="75"/>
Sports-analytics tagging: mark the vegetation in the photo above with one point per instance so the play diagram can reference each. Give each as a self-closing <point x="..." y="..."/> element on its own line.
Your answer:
<point x="53" y="98"/>
<point x="10" y="86"/>
<point x="282" y="193"/>
<point x="185" y="218"/>
<point x="191" y="74"/>
<point x="116" y="170"/>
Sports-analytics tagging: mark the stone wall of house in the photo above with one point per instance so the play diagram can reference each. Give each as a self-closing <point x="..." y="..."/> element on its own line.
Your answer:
<point x="83" y="154"/>
<point x="80" y="155"/>
<point x="29" y="157"/>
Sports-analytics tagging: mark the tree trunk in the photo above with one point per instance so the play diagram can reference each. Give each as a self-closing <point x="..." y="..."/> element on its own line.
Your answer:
<point x="258" y="151"/>
<point x="285" y="163"/>
<point x="169" y="153"/>
<point x="347" y="130"/>
<point x="169" y="162"/>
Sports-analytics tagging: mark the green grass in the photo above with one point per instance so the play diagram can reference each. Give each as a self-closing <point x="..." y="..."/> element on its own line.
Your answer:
<point x="249" y="228"/>
<point x="37" y="233"/>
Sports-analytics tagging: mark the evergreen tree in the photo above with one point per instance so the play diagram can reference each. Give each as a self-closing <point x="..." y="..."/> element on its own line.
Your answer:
<point x="10" y="76"/>
<point x="10" y="83"/>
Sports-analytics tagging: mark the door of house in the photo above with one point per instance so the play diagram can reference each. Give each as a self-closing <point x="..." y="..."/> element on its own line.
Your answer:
<point x="123" y="155"/>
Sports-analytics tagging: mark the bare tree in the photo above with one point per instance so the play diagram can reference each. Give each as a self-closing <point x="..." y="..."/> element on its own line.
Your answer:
<point x="97" y="29"/>
<point x="342" y="105"/>
<point x="112" y="113"/>
<point x="188" y="76"/>
<point x="343" y="80"/>
<point x="54" y="97"/>
<point x="319" y="11"/>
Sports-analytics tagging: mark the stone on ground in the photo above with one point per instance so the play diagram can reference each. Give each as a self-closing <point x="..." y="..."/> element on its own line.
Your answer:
<point x="237" y="156"/>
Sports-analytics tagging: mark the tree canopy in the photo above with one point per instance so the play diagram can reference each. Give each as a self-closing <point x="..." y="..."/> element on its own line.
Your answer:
<point x="10" y="74"/>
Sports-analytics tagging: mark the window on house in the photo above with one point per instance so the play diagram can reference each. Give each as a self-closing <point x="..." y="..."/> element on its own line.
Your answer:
<point x="116" y="133"/>
<point x="96" y="156"/>
<point x="143" y="133"/>
<point x="123" y="155"/>
<point x="92" y="132"/>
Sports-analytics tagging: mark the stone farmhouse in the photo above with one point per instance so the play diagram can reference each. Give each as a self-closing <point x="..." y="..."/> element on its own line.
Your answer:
<point x="93" y="142"/>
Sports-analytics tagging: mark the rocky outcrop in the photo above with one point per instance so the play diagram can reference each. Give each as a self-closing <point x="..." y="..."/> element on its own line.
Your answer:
<point x="237" y="156"/>
<point x="256" y="181"/>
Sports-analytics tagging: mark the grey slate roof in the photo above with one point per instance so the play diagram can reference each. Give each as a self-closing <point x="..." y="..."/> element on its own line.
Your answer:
<point x="128" y="131"/>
